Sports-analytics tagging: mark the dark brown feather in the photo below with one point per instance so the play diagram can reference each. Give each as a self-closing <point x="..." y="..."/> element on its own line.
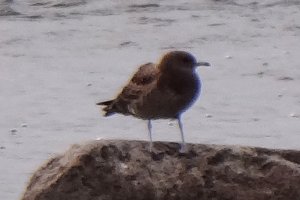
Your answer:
<point x="158" y="91"/>
<point x="104" y="103"/>
<point x="145" y="75"/>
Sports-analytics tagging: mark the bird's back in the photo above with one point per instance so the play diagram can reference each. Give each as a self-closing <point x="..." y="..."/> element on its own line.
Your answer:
<point x="142" y="82"/>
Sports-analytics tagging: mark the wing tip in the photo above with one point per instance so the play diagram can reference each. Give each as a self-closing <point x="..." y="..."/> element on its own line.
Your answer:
<point x="108" y="109"/>
<point x="104" y="103"/>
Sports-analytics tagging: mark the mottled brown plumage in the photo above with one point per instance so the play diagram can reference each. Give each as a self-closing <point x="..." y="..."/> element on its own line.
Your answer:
<point x="159" y="91"/>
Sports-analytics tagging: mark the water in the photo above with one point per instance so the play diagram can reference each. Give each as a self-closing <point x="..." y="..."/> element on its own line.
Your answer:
<point x="58" y="58"/>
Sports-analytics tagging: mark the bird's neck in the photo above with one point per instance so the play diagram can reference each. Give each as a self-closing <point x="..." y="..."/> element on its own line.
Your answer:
<point x="180" y="82"/>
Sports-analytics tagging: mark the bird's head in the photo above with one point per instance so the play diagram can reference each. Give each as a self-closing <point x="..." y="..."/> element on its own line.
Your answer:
<point x="179" y="60"/>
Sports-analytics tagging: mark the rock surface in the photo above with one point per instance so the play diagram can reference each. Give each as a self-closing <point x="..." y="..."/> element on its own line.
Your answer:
<point x="113" y="170"/>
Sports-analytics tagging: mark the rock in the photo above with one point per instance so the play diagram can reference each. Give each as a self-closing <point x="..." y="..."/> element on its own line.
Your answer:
<point x="115" y="170"/>
<point x="208" y="116"/>
<point x="13" y="131"/>
<point x="294" y="115"/>
<point x="24" y="125"/>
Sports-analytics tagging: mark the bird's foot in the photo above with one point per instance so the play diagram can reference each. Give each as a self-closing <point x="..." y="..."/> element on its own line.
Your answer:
<point x="182" y="148"/>
<point x="150" y="147"/>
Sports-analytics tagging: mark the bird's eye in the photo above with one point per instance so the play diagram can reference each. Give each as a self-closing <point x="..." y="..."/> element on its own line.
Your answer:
<point x="186" y="59"/>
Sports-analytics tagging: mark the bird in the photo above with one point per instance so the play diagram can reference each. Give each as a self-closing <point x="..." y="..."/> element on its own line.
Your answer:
<point x="159" y="91"/>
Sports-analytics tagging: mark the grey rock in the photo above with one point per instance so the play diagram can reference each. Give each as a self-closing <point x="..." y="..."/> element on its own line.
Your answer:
<point x="115" y="170"/>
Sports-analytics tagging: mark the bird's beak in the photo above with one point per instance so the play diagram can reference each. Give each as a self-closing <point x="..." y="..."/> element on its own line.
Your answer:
<point x="202" y="64"/>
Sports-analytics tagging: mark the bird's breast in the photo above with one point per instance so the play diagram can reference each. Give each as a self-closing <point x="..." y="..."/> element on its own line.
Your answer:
<point x="188" y="91"/>
<point x="170" y="98"/>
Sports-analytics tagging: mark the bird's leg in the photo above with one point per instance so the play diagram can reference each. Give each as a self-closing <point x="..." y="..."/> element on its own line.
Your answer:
<point x="150" y="134"/>
<point x="182" y="145"/>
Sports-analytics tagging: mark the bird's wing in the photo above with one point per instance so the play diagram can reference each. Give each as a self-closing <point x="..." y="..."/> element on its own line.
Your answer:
<point x="145" y="75"/>
<point x="139" y="85"/>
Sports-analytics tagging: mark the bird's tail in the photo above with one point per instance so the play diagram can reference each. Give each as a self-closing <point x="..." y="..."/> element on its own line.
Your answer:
<point x="109" y="107"/>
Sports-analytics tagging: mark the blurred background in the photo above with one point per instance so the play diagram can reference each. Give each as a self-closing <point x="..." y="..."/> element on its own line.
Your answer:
<point x="58" y="58"/>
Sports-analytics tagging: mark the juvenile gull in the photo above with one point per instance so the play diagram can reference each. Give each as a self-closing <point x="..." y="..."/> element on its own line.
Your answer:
<point x="159" y="91"/>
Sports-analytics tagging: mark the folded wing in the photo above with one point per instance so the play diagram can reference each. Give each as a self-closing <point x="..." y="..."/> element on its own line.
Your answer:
<point x="139" y="85"/>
